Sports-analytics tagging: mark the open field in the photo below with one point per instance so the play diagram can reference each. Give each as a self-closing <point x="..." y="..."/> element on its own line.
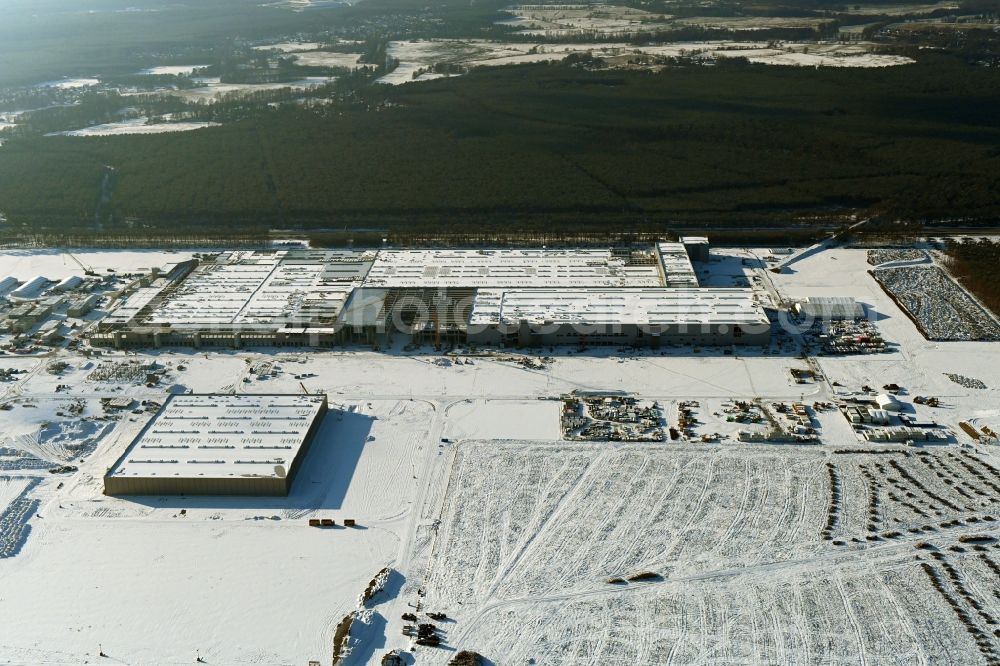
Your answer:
<point x="569" y="20"/>
<point x="902" y="8"/>
<point x="328" y="59"/>
<point x="211" y="88"/>
<point x="942" y="26"/>
<point x="565" y="20"/>
<point x="418" y="59"/>
<point x="172" y="70"/>
<point x="136" y="126"/>
<point x="522" y="559"/>
<point x="752" y="23"/>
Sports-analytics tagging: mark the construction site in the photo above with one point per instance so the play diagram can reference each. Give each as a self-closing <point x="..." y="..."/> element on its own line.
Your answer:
<point x="617" y="418"/>
<point x="544" y="496"/>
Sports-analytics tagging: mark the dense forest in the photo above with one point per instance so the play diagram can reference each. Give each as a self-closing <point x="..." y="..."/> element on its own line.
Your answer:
<point x="541" y="144"/>
<point x="40" y="41"/>
<point x="976" y="264"/>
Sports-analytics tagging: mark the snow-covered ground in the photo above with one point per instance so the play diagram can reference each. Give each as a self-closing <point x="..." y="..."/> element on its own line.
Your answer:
<point x="563" y="20"/>
<point x="306" y="5"/>
<point x="415" y="55"/>
<point x="902" y="9"/>
<point x="57" y="264"/>
<point x="68" y="83"/>
<point x="532" y="537"/>
<point x="327" y="59"/>
<point x="751" y="23"/>
<point x="458" y="481"/>
<point x="173" y="70"/>
<point x="11" y="488"/>
<point x="289" y="47"/>
<point x="503" y="419"/>
<point x="135" y="126"/>
<point x="212" y="88"/>
<point x="603" y="19"/>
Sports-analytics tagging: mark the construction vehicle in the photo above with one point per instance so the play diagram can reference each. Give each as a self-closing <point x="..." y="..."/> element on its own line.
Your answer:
<point x="87" y="270"/>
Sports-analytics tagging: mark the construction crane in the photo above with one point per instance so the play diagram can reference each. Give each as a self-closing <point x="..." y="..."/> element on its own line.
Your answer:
<point x="87" y="270"/>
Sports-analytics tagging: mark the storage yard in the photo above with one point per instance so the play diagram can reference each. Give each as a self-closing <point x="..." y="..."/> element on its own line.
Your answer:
<point x="938" y="305"/>
<point x="611" y="418"/>
<point x="856" y="521"/>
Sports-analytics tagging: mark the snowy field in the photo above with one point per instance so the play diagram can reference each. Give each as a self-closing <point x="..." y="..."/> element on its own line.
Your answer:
<point x="57" y="264"/>
<point x="458" y="480"/>
<point x="603" y="20"/>
<point x="750" y="23"/>
<point x="171" y="70"/>
<point x="306" y="5"/>
<point x="289" y="47"/>
<point x="422" y="54"/>
<point x="11" y="488"/>
<point x="327" y="59"/>
<point x="68" y="83"/>
<point x="503" y="419"/>
<point x="212" y="88"/>
<point x="732" y="539"/>
<point x="134" y="126"/>
<point x="579" y="20"/>
<point x="903" y="9"/>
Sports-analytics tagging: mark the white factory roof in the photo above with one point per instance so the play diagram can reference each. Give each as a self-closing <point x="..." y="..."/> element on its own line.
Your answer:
<point x="676" y="265"/>
<point x="30" y="289"/>
<point x="71" y="282"/>
<point x="86" y="301"/>
<point x="830" y="307"/>
<point x="887" y="402"/>
<point x="644" y="307"/>
<point x="511" y="268"/>
<point x="222" y="436"/>
<point x="246" y="288"/>
<point x="7" y="284"/>
<point x="131" y="306"/>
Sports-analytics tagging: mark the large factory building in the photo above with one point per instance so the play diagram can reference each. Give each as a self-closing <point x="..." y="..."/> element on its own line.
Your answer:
<point x="523" y="297"/>
<point x="646" y="317"/>
<point x="219" y="445"/>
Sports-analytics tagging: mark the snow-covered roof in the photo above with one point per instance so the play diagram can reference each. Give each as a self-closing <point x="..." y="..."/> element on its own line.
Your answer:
<point x="649" y="307"/>
<point x="830" y="307"/>
<point x="499" y="268"/>
<point x="676" y="265"/>
<point x="7" y="284"/>
<point x="886" y="401"/>
<point x="131" y="306"/>
<point x="30" y="289"/>
<point x="222" y="436"/>
<point x="67" y="283"/>
<point x="263" y="288"/>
